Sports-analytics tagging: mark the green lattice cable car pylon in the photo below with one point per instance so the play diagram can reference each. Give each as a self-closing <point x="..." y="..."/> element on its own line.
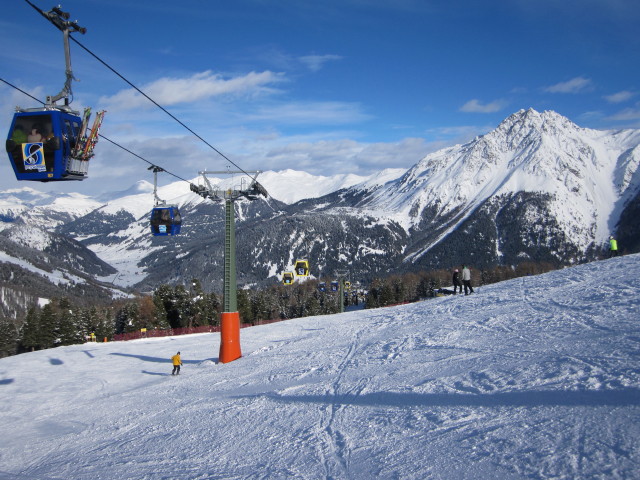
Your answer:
<point x="230" y="317"/>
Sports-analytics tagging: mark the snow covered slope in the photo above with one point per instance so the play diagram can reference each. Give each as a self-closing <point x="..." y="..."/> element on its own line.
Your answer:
<point x="536" y="377"/>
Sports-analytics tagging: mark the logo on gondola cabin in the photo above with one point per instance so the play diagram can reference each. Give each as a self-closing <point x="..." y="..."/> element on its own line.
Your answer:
<point x="33" y="156"/>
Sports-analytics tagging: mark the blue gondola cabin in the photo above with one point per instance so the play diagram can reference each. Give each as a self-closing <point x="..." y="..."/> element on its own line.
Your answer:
<point x="40" y="145"/>
<point x="165" y="220"/>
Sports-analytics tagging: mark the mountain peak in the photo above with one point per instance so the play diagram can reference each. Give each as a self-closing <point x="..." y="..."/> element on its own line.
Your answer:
<point x="531" y="120"/>
<point x="30" y="236"/>
<point x="141" y="186"/>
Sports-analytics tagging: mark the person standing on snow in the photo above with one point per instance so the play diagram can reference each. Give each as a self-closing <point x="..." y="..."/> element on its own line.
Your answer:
<point x="176" y="364"/>
<point x="613" y="247"/>
<point x="466" y="280"/>
<point x="456" y="281"/>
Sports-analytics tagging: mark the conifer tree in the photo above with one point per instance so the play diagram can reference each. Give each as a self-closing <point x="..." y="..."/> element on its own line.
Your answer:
<point x="160" y="296"/>
<point x="105" y="327"/>
<point x="387" y="295"/>
<point x="167" y="310"/>
<point x="127" y="318"/>
<point x="68" y="328"/>
<point x="48" y="327"/>
<point x="30" y="332"/>
<point x="182" y="313"/>
<point x="134" y="321"/>
<point x="244" y="306"/>
<point x="8" y="337"/>
<point x="212" y="308"/>
<point x="256" y="306"/>
<point x="89" y="322"/>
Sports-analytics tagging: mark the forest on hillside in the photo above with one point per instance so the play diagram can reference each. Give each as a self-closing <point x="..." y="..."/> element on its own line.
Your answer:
<point x="169" y="308"/>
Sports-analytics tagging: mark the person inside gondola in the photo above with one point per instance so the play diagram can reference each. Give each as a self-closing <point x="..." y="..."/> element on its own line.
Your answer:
<point x="165" y="217"/>
<point x="36" y="134"/>
<point x="19" y="135"/>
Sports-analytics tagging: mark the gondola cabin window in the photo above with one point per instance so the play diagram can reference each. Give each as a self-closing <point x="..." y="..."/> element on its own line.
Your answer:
<point x="30" y="146"/>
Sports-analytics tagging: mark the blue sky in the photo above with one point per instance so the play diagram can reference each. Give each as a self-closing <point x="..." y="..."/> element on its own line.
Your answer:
<point x="349" y="86"/>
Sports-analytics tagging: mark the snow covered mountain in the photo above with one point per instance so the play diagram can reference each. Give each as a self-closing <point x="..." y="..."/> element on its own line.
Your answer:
<point x="45" y="210"/>
<point x="115" y="227"/>
<point x="39" y="264"/>
<point x="537" y="188"/>
<point x="586" y="175"/>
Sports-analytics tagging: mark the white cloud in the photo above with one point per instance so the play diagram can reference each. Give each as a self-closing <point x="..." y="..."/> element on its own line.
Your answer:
<point x="447" y="136"/>
<point x="591" y="116"/>
<point x="10" y="98"/>
<point x="575" y="85"/>
<point x="619" y="97"/>
<point x="316" y="62"/>
<point x="345" y="156"/>
<point x="201" y="86"/>
<point x="459" y="131"/>
<point x="310" y="113"/>
<point x="475" y="106"/>
<point x="628" y="114"/>
<point x="262" y="150"/>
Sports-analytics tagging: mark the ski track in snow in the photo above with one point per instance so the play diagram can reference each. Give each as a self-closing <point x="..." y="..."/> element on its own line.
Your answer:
<point x="532" y="378"/>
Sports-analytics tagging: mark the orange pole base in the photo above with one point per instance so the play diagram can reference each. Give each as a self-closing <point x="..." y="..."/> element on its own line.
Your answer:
<point x="229" y="337"/>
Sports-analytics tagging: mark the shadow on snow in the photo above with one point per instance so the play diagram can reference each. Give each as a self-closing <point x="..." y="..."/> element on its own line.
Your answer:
<point x="539" y="398"/>
<point x="146" y="358"/>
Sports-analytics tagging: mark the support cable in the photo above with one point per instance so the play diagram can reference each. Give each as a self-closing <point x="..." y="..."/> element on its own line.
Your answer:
<point x="22" y="91"/>
<point x="76" y="27"/>
<point x="159" y="106"/>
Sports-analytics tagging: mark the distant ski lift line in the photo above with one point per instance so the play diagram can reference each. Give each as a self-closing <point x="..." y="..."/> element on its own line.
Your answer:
<point x="209" y="191"/>
<point x="231" y="172"/>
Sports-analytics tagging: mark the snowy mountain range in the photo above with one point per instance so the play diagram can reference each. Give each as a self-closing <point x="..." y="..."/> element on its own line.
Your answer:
<point x="537" y="188"/>
<point x="537" y="172"/>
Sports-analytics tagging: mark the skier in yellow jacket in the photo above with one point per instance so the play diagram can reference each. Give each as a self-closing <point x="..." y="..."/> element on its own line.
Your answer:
<point x="613" y="247"/>
<point x="176" y="364"/>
